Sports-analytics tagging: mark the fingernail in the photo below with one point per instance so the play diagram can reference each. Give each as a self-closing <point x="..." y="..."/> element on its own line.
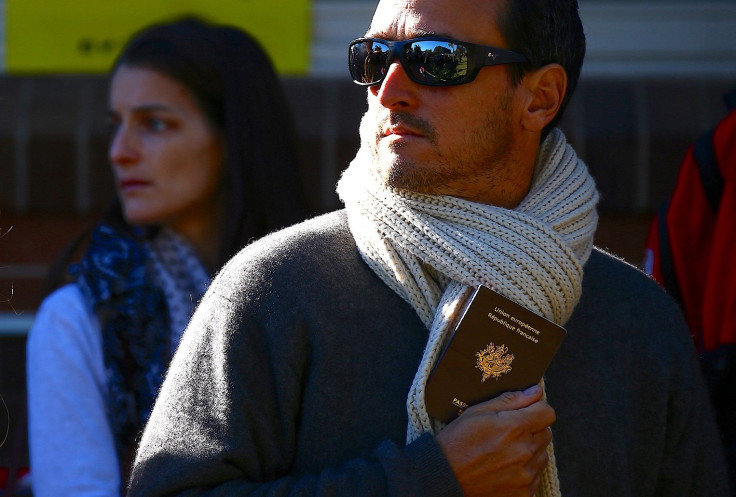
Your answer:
<point x="532" y="390"/>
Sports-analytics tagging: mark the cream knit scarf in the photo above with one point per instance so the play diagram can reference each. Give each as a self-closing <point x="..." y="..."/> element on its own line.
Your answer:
<point x="433" y="250"/>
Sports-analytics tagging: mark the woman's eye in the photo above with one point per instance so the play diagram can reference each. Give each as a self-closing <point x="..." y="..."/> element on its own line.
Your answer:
<point x="112" y="124"/>
<point x="156" y="124"/>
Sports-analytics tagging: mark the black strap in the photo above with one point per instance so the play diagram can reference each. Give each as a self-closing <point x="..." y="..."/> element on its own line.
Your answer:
<point x="730" y="99"/>
<point x="705" y="156"/>
<point x="665" y="255"/>
<point x="704" y="152"/>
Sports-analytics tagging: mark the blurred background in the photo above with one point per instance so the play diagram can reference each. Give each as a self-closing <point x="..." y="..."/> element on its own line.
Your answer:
<point x="653" y="81"/>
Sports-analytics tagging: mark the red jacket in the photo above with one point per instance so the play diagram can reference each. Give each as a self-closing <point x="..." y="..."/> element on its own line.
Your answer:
<point x="691" y="247"/>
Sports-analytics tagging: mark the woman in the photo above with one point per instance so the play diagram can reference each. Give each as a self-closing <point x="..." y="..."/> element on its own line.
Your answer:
<point x="203" y="155"/>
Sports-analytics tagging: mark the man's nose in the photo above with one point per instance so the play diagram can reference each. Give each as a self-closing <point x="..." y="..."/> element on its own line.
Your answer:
<point x="397" y="90"/>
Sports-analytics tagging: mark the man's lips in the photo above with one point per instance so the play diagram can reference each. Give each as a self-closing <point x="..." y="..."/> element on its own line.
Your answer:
<point x="404" y="126"/>
<point x="401" y="131"/>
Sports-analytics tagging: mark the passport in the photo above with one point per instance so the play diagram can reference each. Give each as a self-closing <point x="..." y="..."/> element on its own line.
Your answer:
<point x="496" y="346"/>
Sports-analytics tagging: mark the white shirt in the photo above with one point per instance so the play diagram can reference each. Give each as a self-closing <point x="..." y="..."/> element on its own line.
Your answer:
<point x="69" y="434"/>
<point x="71" y="443"/>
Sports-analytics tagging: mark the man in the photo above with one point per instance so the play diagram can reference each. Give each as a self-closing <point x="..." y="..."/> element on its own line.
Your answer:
<point x="303" y="370"/>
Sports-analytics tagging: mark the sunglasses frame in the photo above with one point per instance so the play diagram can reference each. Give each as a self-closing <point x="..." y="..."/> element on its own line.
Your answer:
<point x="479" y="56"/>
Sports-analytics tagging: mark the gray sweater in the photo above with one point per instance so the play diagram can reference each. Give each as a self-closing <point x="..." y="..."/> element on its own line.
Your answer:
<point x="293" y="375"/>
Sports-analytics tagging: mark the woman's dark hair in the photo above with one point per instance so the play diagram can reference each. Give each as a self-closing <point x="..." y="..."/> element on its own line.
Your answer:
<point x="546" y="31"/>
<point x="235" y="84"/>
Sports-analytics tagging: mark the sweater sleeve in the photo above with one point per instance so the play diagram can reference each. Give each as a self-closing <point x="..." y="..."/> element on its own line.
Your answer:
<point x="227" y="419"/>
<point x="693" y="462"/>
<point x="71" y="444"/>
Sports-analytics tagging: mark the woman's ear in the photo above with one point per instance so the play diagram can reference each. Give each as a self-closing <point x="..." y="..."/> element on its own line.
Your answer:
<point x="546" y="89"/>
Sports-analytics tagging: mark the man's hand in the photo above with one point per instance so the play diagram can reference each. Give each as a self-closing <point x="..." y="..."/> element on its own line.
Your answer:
<point x="498" y="447"/>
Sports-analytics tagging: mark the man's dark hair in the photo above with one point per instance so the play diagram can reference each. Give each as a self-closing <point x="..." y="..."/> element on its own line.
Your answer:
<point x="546" y="32"/>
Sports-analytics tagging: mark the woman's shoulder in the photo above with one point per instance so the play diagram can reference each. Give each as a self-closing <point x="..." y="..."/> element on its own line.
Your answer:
<point x="66" y="300"/>
<point x="64" y="319"/>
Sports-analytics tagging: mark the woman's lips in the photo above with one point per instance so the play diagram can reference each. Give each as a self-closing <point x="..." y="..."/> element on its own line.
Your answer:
<point x="129" y="185"/>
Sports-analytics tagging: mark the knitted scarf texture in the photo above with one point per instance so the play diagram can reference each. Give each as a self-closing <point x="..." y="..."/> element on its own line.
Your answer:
<point x="434" y="250"/>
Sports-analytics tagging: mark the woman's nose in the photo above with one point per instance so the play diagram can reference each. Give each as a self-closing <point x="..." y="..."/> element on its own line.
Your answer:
<point x="123" y="149"/>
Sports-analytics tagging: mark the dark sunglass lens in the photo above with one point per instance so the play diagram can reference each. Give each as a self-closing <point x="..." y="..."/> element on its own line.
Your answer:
<point x="437" y="62"/>
<point x="367" y="61"/>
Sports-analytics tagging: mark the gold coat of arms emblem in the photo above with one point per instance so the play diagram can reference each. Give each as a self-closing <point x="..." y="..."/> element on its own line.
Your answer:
<point x="494" y="361"/>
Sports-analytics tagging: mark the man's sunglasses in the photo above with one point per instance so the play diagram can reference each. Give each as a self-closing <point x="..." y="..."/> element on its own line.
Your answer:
<point x="429" y="60"/>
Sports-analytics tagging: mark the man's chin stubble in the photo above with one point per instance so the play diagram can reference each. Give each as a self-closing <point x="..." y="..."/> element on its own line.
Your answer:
<point x="403" y="174"/>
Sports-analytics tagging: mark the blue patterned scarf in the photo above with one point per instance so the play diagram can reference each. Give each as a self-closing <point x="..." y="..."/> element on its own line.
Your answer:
<point x="113" y="276"/>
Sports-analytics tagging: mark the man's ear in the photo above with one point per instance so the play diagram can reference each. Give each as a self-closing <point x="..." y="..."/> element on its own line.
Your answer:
<point x="546" y="88"/>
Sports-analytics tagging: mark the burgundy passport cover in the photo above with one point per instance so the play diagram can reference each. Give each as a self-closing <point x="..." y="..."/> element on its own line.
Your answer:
<point x="497" y="346"/>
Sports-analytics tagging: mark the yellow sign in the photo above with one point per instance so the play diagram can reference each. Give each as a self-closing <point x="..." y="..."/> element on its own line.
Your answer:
<point x="85" y="36"/>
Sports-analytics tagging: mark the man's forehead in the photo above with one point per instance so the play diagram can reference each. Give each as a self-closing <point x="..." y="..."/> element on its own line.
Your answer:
<point x="468" y="20"/>
<point x="393" y="17"/>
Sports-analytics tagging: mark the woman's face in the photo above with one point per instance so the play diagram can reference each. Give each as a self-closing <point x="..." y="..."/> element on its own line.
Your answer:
<point x="166" y="158"/>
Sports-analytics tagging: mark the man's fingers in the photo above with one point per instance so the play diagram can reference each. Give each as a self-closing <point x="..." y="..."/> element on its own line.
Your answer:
<point x="503" y="440"/>
<point x="540" y="459"/>
<point x="544" y="437"/>
<point x="525" y="411"/>
<point x="510" y="401"/>
<point x="533" y="419"/>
